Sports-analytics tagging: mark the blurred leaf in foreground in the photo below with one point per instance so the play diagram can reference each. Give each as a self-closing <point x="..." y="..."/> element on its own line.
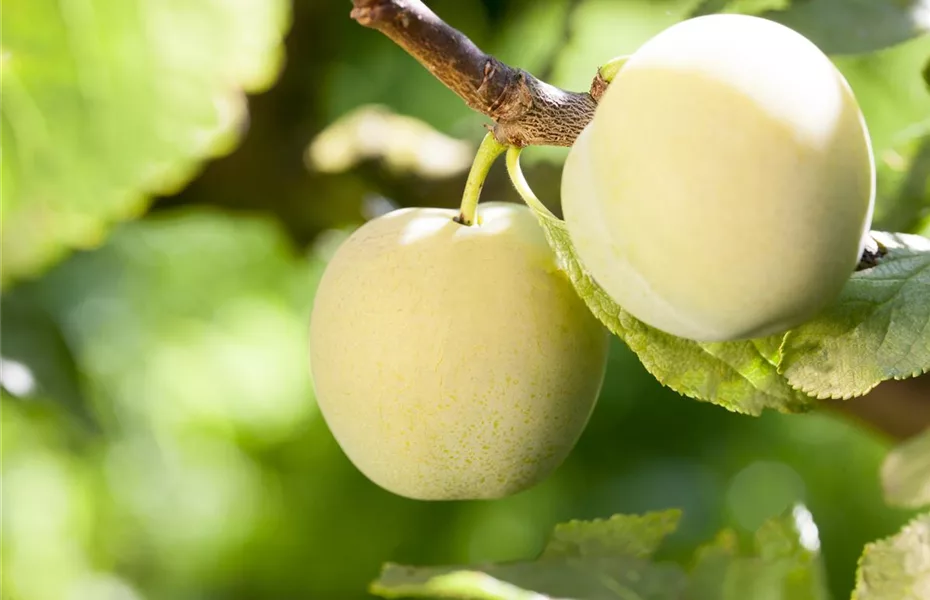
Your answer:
<point x="612" y="558"/>
<point x="898" y="567"/>
<point x="906" y="473"/>
<point x="784" y="564"/>
<point x="405" y="144"/>
<point x="107" y="103"/>
<point x="591" y="560"/>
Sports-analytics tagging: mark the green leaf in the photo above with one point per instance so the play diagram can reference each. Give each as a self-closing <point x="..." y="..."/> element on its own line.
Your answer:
<point x="107" y="102"/>
<point x="626" y="535"/>
<point x="740" y="376"/>
<point x="612" y="560"/>
<point x="906" y="473"/>
<point x="879" y="328"/>
<point x="898" y="567"/>
<point x="784" y="564"/>
<point x="855" y="26"/>
<point x="585" y="560"/>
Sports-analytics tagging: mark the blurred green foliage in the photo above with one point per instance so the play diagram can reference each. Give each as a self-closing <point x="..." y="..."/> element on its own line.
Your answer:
<point x="160" y="438"/>
<point x="83" y="79"/>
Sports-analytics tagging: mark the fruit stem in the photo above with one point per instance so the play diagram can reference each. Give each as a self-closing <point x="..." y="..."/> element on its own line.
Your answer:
<point x="487" y="153"/>
<point x="522" y="185"/>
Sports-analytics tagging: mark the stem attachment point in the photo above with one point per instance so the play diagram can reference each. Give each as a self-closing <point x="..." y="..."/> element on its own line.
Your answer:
<point x="487" y="153"/>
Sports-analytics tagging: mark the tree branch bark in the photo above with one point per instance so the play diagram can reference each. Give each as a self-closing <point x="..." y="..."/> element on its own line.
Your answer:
<point x="525" y="110"/>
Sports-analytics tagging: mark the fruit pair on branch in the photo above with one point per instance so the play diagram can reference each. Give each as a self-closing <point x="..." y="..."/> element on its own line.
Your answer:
<point x="719" y="189"/>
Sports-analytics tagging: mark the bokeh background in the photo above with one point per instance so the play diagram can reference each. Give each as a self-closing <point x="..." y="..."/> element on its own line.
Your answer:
<point x="160" y="436"/>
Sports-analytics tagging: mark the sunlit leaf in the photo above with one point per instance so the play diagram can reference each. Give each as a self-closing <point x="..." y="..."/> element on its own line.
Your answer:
<point x="404" y="144"/>
<point x="878" y="329"/>
<point x="107" y="102"/>
<point x="898" y="567"/>
<point x="632" y="535"/>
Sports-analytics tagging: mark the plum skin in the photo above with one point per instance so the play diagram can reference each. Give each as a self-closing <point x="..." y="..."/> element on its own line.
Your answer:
<point x="453" y="362"/>
<point x="725" y="186"/>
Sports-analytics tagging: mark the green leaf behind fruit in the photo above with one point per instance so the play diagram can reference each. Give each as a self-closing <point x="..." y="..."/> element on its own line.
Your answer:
<point x="878" y="329"/>
<point x="898" y="567"/>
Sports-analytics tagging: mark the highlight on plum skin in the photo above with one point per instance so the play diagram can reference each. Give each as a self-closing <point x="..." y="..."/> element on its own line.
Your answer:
<point x="726" y="184"/>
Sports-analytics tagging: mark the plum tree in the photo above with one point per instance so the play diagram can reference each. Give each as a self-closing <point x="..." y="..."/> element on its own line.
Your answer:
<point x="725" y="186"/>
<point x="453" y="361"/>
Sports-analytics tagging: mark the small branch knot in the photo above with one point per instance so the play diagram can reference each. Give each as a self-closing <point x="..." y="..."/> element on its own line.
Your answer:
<point x="598" y="87"/>
<point x="370" y="13"/>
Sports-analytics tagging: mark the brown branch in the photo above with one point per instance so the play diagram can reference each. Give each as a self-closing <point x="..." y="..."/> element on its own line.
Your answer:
<point x="525" y="110"/>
